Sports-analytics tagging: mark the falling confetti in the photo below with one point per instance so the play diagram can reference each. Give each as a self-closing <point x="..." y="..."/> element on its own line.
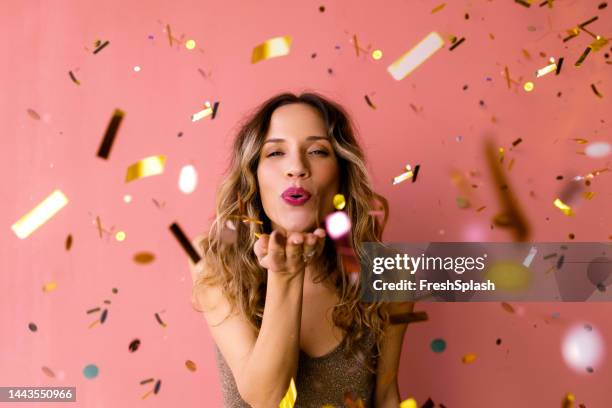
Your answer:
<point x="38" y="216"/>
<point x="101" y="47"/>
<point x="90" y="371"/>
<point x="337" y="224"/>
<point x="68" y="244"/>
<point x="144" y="257"/>
<point x="188" y="179"/>
<point x="184" y="242"/>
<point x="565" y="209"/>
<point x="147" y="167"/>
<point x="191" y="366"/>
<point x="33" y="114"/>
<point x="582" y="347"/>
<point x="468" y="358"/>
<point x="32" y="326"/>
<point x="271" y="48"/>
<point x="339" y="201"/>
<point x="405" y="64"/>
<point x="288" y="400"/>
<point x="49" y="287"/>
<point x="456" y="44"/>
<point x="369" y="102"/>
<point x="76" y="81"/>
<point x="48" y="372"/>
<point x="134" y="345"/>
<point x="438" y="345"/>
<point x="110" y="134"/>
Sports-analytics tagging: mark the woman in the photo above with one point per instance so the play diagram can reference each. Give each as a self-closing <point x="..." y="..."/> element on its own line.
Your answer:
<point x="273" y="289"/>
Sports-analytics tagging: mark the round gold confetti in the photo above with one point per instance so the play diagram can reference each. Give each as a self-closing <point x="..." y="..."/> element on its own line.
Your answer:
<point x="120" y="236"/>
<point x="528" y="86"/>
<point x="191" y="366"/>
<point x="144" y="257"/>
<point x="409" y="403"/>
<point x="339" y="201"/>
<point x="49" y="287"/>
<point x="190" y="44"/>
<point x="469" y="358"/>
<point x="377" y="54"/>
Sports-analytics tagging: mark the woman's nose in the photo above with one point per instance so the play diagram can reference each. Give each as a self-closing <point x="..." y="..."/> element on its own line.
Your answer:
<point x="297" y="168"/>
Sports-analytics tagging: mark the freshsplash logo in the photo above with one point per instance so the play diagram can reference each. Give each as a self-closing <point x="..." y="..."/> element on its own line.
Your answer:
<point x="458" y="264"/>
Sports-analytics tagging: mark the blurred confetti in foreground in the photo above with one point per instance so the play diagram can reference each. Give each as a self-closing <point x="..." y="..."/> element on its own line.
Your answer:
<point x="42" y="213"/>
<point x="290" y="396"/>
<point x="188" y="179"/>
<point x="110" y="134"/>
<point x="582" y="348"/>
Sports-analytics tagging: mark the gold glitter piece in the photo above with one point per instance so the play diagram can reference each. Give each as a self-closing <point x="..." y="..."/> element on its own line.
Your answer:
<point x="49" y="287"/>
<point x="257" y="234"/>
<point x="377" y="54"/>
<point x="588" y="195"/>
<point x="581" y="141"/>
<point x="408" y="403"/>
<point x="469" y="358"/>
<point x="120" y="236"/>
<point x="271" y="48"/>
<point x="144" y="257"/>
<point x="190" y="44"/>
<point x="568" y="401"/>
<point x="566" y="209"/>
<point x="149" y="166"/>
<point x="599" y="43"/>
<point x="405" y="64"/>
<point x="438" y="8"/>
<point x="42" y="213"/>
<point x="289" y="400"/>
<point x="528" y="86"/>
<point x="339" y="202"/>
<point x="191" y="366"/>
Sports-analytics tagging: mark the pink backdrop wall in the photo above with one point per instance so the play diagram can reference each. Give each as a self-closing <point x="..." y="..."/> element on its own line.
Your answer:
<point x="42" y="41"/>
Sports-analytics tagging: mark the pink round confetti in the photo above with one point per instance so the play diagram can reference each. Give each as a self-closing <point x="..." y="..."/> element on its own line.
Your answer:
<point x="337" y="224"/>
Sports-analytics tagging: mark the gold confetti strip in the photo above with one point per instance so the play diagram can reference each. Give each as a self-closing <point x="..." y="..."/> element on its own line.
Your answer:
<point x="566" y="209"/>
<point x="208" y="111"/>
<point x="468" y="358"/>
<point x="546" y="70"/>
<point x="68" y="242"/>
<point x="581" y="141"/>
<point x="339" y="201"/>
<point x="257" y="235"/>
<point x="42" y="213"/>
<point x="405" y="64"/>
<point x="588" y="195"/>
<point x="149" y="166"/>
<point x="144" y="257"/>
<point x="271" y="48"/>
<point x="94" y="323"/>
<point x="147" y="394"/>
<point x="76" y="81"/>
<point x="582" y="57"/>
<point x="49" y="287"/>
<point x="289" y="400"/>
<point x="438" y="8"/>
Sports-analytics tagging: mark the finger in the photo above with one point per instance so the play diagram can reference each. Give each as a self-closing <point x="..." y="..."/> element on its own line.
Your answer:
<point x="294" y="249"/>
<point x="261" y="245"/>
<point x="320" y="234"/>
<point x="276" y="246"/>
<point x="310" y="244"/>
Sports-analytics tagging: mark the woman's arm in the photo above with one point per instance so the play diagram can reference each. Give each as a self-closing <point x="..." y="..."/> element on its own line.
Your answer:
<point x="262" y="363"/>
<point x="387" y="388"/>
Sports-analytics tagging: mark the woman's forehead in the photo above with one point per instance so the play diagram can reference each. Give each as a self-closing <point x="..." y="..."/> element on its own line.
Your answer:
<point x="296" y="120"/>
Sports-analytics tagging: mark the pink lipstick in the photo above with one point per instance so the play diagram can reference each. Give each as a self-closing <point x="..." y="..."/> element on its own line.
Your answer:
<point x="295" y="196"/>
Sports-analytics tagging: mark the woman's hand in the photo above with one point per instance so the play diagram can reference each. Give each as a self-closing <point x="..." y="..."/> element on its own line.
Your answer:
<point x="289" y="255"/>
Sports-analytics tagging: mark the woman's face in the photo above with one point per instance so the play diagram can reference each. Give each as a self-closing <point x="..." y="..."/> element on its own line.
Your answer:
<point x="297" y="153"/>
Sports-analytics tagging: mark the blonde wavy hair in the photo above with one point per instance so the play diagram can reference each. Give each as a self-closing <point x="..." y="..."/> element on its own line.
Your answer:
<point x="233" y="262"/>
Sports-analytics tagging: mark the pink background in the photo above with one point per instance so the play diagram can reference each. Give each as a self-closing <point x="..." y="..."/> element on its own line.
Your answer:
<point x="42" y="41"/>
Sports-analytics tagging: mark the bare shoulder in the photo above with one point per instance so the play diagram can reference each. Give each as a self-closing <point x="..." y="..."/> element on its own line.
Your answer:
<point x="230" y="330"/>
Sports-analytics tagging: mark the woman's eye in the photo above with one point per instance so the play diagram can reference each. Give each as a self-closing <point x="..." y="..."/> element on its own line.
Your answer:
<point x="320" y="152"/>
<point x="273" y="154"/>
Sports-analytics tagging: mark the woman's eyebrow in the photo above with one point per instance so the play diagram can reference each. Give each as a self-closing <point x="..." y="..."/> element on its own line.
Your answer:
<point x="280" y="140"/>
